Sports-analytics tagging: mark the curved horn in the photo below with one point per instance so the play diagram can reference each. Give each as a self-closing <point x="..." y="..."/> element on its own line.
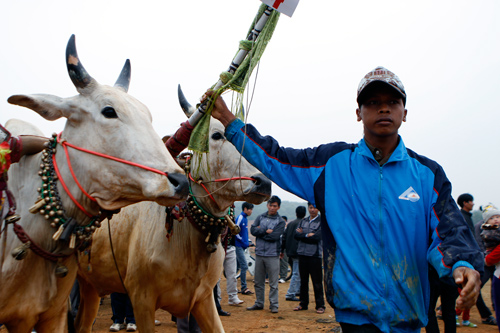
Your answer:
<point x="186" y="107"/>
<point x="77" y="72"/>
<point x="124" y="79"/>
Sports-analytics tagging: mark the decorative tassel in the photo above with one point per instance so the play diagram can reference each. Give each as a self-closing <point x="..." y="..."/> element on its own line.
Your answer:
<point x="39" y="204"/>
<point x="234" y="228"/>
<point x="58" y="233"/>
<point x="72" y="241"/>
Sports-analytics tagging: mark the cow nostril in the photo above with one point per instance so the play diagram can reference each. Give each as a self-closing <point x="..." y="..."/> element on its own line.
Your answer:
<point x="179" y="182"/>
<point x="173" y="180"/>
<point x="257" y="180"/>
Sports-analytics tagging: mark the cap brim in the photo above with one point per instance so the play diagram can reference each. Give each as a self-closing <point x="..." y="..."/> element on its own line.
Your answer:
<point x="362" y="95"/>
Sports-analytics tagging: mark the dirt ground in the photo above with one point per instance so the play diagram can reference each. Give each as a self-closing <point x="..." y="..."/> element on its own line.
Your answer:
<point x="286" y="320"/>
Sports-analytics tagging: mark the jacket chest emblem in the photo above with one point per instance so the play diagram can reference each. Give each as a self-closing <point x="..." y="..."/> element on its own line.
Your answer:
<point x="410" y="194"/>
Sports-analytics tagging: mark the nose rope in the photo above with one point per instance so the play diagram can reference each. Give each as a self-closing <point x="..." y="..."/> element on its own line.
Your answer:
<point x="56" y="169"/>
<point x="201" y="183"/>
<point x="65" y="145"/>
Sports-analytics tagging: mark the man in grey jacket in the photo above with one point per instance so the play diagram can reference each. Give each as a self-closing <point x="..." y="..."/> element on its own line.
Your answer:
<point x="267" y="229"/>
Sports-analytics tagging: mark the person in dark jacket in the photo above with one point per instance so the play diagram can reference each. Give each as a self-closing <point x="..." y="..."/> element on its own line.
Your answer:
<point x="466" y="202"/>
<point x="267" y="229"/>
<point x="310" y="252"/>
<point x="289" y="244"/>
<point x="387" y="212"/>
<point x="486" y="315"/>
<point x="283" y="259"/>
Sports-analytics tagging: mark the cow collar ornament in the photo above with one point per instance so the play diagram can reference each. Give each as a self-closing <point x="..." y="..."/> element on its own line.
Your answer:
<point x="49" y="205"/>
<point x="203" y="221"/>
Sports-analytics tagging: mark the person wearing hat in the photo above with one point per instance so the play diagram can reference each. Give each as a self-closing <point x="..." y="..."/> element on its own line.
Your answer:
<point x="386" y="212"/>
<point x="491" y="239"/>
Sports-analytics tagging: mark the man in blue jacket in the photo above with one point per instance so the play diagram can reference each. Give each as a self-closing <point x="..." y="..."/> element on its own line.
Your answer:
<point x="386" y="212"/>
<point x="241" y="243"/>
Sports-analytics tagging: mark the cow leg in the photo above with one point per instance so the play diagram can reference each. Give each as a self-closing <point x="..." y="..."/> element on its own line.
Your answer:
<point x="56" y="323"/>
<point x="206" y="315"/>
<point x="144" y="303"/>
<point x="22" y="326"/>
<point x="88" y="308"/>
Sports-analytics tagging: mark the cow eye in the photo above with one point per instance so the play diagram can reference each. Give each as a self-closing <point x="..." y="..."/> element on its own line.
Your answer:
<point x="109" y="112"/>
<point x="217" y="136"/>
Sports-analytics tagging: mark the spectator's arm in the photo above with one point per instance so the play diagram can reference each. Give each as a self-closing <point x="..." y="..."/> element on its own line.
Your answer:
<point x="276" y="234"/>
<point x="255" y="229"/>
<point x="493" y="257"/>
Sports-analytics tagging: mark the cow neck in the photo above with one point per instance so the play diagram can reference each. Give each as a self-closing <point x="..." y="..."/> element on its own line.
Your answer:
<point x="205" y="222"/>
<point x="78" y="233"/>
<point x="74" y="235"/>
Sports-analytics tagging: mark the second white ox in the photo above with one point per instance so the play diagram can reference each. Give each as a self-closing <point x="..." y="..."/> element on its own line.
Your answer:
<point x="176" y="274"/>
<point x="100" y="118"/>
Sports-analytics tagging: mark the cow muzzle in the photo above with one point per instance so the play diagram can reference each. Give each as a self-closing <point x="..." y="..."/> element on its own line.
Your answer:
<point x="180" y="185"/>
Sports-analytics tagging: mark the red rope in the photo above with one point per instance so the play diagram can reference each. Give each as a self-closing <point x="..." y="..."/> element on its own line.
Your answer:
<point x="200" y="183"/>
<point x="65" y="145"/>
<point x="66" y="188"/>
<point x="217" y="180"/>
<point x="74" y="176"/>
<point x="111" y="157"/>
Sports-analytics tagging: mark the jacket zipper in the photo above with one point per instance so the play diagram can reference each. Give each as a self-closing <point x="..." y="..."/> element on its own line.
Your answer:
<point x="382" y="243"/>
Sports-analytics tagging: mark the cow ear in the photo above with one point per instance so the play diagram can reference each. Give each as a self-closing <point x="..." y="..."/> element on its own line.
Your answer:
<point x="48" y="106"/>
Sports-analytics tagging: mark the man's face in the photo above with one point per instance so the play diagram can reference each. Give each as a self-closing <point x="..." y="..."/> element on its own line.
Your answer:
<point x="247" y="211"/>
<point x="272" y="208"/>
<point x="382" y="112"/>
<point x="468" y="205"/>
<point x="313" y="211"/>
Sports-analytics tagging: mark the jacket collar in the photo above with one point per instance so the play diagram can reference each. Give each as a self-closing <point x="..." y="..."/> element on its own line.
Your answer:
<point x="399" y="154"/>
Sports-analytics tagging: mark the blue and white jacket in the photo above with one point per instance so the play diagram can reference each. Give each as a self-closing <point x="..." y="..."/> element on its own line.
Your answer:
<point x="381" y="225"/>
<point x="242" y="238"/>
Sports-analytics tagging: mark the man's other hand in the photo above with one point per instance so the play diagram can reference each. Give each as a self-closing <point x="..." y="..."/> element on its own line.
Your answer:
<point x="470" y="280"/>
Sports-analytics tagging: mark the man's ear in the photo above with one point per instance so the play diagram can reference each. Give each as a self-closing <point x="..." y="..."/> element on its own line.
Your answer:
<point x="358" y="114"/>
<point x="404" y="115"/>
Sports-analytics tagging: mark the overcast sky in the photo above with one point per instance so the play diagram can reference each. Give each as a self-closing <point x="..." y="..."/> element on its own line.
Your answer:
<point x="446" y="53"/>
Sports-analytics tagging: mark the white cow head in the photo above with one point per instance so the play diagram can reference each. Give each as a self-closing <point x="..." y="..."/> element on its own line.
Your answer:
<point x="221" y="162"/>
<point x="107" y="120"/>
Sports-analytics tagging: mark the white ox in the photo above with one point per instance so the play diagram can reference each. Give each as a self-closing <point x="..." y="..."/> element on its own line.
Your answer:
<point x="177" y="274"/>
<point x="103" y="119"/>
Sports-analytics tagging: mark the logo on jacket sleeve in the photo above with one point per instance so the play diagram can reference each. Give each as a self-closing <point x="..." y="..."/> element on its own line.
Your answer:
<point x="410" y="194"/>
